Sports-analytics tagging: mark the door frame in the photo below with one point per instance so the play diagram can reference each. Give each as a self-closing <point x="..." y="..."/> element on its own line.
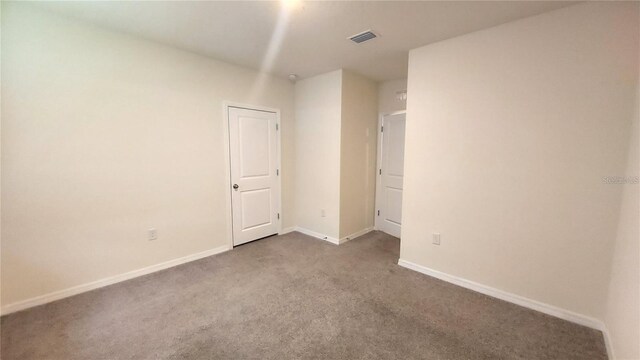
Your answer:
<point x="227" y="161"/>
<point x="379" y="164"/>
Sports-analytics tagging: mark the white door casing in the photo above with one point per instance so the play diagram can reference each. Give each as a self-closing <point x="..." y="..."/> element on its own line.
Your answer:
<point x="390" y="173"/>
<point x="254" y="161"/>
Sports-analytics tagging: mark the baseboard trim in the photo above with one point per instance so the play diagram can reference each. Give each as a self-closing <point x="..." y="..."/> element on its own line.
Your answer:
<point x="607" y="342"/>
<point x="332" y="239"/>
<point x="287" y="230"/>
<point x="356" y="234"/>
<point x="75" y="290"/>
<point x="317" y="235"/>
<point x="509" y="297"/>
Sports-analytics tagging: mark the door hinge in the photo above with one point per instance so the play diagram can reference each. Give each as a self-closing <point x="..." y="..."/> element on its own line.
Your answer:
<point x="380" y="171"/>
<point x="277" y="172"/>
<point x="278" y="216"/>
<point x="378" y="212"/>
<point x="381" y="128"/>
<point x="277" y="127"/>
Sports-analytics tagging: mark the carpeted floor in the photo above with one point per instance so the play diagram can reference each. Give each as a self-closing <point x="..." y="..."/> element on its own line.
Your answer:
<point x="292" y="297"/>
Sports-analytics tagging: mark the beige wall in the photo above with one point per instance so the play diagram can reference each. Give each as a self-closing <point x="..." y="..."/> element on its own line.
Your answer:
<point x="317" y="188"/>
<point x="105" y="136"/>
<point x="387" y="101"/>
<point x="357" y="153"/>
<point x="622" y="316"/>
<point x="335" y="153"/>
<point x="510" y="131"/>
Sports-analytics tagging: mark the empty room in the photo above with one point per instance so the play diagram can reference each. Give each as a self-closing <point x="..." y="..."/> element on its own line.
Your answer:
<point x="297" y="179"/>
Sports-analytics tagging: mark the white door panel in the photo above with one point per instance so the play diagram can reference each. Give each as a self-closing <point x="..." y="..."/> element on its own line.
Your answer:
<point x="254" y="146"/>
<point x="393" y="211"/>
<point x="256" y="206"/>
<point x="255" y="193"/>
<point x="394" y="141"/>
<point x="391" y="173"/>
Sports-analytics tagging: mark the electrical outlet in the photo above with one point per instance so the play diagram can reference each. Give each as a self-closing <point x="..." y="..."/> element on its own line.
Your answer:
<point x="323" y="213"/>
<point x="152" y="234"/>
<point x="436" y="239"/>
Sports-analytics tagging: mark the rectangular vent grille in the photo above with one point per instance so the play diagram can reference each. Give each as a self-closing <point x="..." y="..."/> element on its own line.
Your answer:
<point x="362" y="37"/>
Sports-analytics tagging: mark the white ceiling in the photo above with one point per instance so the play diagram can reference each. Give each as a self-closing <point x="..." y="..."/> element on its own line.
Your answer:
<point x="314" y="37"/>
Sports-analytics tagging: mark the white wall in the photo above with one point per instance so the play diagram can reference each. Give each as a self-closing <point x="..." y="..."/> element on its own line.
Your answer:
<point x="358" y="153"/>
<point x="510" y="131"/>
<point x="387" y="100"/>
<point x="105" y="136"/>
<point x="318" y="102"/>
<point x="622" y="316"/>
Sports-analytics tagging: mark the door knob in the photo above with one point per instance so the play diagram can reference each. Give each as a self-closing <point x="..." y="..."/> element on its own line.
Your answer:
<point x="235" y="186"/>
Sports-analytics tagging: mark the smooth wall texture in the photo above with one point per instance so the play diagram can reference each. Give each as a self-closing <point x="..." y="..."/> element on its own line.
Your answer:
<point x="318" y="107"/>
<point x="105" y="136"/>
<point x="357" y="153"/>
<point x="622" y="316"/>
<point x="387" y="100"/>
<point x="510" y="131"/>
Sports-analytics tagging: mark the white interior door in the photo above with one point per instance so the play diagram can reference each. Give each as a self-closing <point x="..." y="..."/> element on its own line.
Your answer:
<point x="391" y="174"/>
<point x="255" y="193"/>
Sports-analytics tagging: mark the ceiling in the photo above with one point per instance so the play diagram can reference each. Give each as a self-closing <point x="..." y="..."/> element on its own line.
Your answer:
<point x="311" y="38"/>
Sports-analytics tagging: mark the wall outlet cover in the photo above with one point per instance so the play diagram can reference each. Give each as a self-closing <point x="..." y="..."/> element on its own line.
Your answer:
<point x="436" y="239"/>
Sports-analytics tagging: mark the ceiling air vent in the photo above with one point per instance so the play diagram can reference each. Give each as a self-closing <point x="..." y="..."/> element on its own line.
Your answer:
<point x="363" y="36"/>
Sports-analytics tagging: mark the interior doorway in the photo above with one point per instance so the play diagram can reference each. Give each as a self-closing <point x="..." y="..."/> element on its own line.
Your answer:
<point x="254" y="153"/>
<point x="389" y="183"/>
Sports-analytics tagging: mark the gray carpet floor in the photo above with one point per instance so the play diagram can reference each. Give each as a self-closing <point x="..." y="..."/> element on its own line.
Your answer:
<point x="292" y="297"/>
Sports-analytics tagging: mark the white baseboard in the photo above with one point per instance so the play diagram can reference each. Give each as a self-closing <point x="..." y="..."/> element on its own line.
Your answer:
<point x="332" y="239"/>
<point x="287" y="230"/>
<point x="355" y="235"/>
<point x="509" y="297"/>
<point x="61" y="294"/>
<point x="607" y="342"/>
<point x="317" y="235"/>
<point x="518" y="300"/>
